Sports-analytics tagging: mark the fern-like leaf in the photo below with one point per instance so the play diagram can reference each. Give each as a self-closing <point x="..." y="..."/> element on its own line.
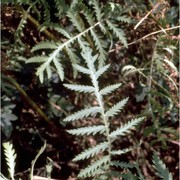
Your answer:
<point x="37" y="59"/>
<point x="92" y="169"/>
<point x="10" y="158"/>
<point x="82" y="69"/>
<point x="63" y="32"/>
<point x="80" y="88"/>
<point x="126" y="128"/>
<point x="76" y="20"/>
<point x="100" y="47"/>
<point x="97" y="9"/>
<point x="88" y="130"/>
<point x="91" y="151"/>
<point x="83" y="113"/>
<point x="116" y="108"/>
<point x="123" y="19"/>
<point x="44" y="45"/>
<point x="59" y="68"/>
<point x="162" y="171"/>
<point x="101" y="71"/>
<point x="88" y="15"/>
<point x="109" y="89"/>
<point x="119" y="152"/>
<point x="118" y="32"/>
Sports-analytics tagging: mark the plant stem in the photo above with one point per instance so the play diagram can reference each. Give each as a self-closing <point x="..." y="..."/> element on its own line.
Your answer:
<point x="101" y="104"/>
<point x="27" y="98"/>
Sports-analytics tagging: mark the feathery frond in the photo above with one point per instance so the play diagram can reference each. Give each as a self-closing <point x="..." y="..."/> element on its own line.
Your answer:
<point x="92" y="169"/>
<point x="101" y="71"/>
<point x="124" y="19"/>
<point x="82" y="69"/>
<point x="80" y="88"/>
<point x="109" y="89"/>
<point x="37" y="59"/>
<point x="100" y="47"/>
<point x="44" y="45"/>
<point x="118" y="32"/>
<point x="116" y="108"/>
<point x="91" y="151"/>
<point x="126" y="128"/>
<point x="83" y="113"/>
<point x="10" y="158"/>
<point x="161" y="168"/>
<point x="87" y="130"/>
<point x="59" y="68"/>
<point x="119" y="152"/>
<point x="76" y="20"/>
<point x="62" y="31"/>
<point x="97" y="9"/>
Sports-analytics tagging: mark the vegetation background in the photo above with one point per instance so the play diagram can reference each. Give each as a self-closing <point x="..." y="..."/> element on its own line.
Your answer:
<point x="32" y="112"/>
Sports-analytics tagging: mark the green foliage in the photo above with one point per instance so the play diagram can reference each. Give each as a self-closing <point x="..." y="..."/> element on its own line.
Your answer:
<point x="67" y="33"/>
<point x="85" y="30"/>
<point x="102" y="165"/>
<point x="161" y="169"/>
<point x="10" y="158"/>
<point x="7" y="115"/>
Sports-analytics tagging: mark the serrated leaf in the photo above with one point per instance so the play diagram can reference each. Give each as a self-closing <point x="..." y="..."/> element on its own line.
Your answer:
<point x="10" y="158"/>
<point x="88" y="15"/>
<point x="62" y="31"/>
<point x="162" y="171"/>
<point x="73" y="57"/>
<point x="118" y="32"/>
<point x="101" y="71"/>
<point x="125" y="129"/>
<point x="124" y="19"/>
<point x="37" y="59"/>
<point x="82" y="69"/>
<point x="122" y="164"/>
<point x="88" y="130"/>
<point x="92" y="169"/>
<point x="59" y="68"/>
<point x="76" y="20"/>
<point x="80" y="88"/>
<point x="116" y="108"/>
<point x="91" y="151"/>
<point x="100" y="46"/>
<point x="83" y="113"/>
<point x="119" y="152"/>
<point x="44" y="45"/>
<point x="109" y="89"/>
<point x="97" y="9"/>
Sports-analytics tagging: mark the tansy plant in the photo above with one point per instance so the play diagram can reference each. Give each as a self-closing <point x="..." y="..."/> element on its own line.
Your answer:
<point x="100" y="168"/>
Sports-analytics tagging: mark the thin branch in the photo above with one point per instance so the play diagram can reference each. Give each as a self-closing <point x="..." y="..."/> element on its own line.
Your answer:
<point x="27" y="98"/>
<point x="144" y="37"/>
<point x="154" y="8"/>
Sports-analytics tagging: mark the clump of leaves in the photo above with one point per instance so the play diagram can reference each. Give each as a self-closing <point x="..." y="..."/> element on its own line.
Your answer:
<point x="91" y="24"/>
